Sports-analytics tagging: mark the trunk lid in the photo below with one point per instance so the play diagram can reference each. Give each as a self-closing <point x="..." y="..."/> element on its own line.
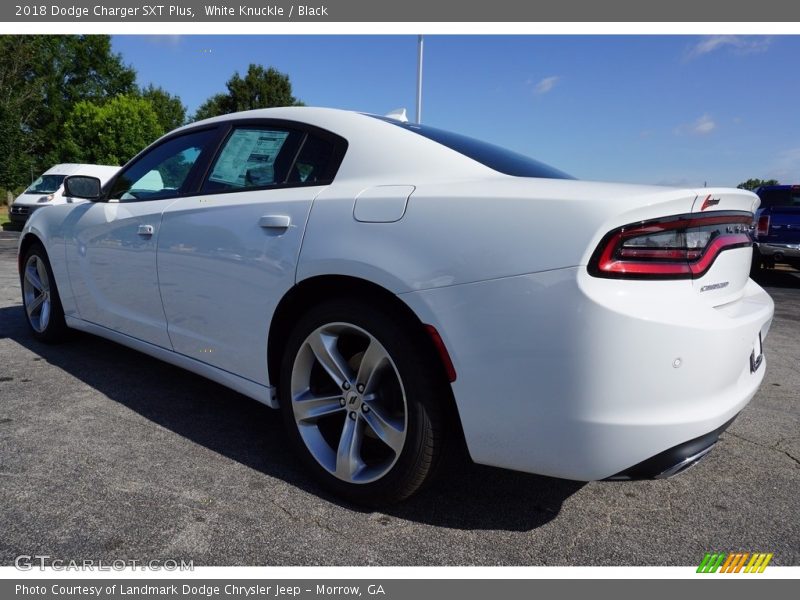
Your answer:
<point x="727" y="277"/>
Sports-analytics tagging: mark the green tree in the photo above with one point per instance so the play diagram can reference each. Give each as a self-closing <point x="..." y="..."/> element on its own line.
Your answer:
<point x="42" y="77"/>
<point x="22" y="84"/>
<point x="752" y="184"/>
<point x="110" y="133"/>
<point x="169" y="109"/>
<point x="259" y="88"/>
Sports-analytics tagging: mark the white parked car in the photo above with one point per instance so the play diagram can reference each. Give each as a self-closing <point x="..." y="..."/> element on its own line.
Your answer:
<point x="48" y="189"/>
<point x="390" y="286"/>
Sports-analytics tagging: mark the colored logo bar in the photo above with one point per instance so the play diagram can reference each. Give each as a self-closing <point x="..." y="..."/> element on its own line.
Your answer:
<point x="734" y="562"/>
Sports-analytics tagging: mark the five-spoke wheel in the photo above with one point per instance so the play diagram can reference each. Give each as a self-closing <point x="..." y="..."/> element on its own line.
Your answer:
<point x="36" y="293"/>
<point x="359" y="400"/>
<point x="348" y="402"/>
<point x="40" y="296"/>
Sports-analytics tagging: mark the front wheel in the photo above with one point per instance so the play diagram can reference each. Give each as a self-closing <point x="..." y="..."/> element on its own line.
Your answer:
<point x="360" y="402"/>
<point x="40" y="297"/>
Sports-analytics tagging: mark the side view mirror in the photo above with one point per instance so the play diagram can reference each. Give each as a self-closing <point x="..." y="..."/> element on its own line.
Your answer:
<point x="82" y="186"/>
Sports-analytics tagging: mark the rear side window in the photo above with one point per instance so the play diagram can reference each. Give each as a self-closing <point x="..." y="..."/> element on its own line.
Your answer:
<point x="788" y="196"/>
<point x="262" y="157"/>
<point x="314" y="162"/>
<point x="253" y="158"/>
<point x="495" y="157"/>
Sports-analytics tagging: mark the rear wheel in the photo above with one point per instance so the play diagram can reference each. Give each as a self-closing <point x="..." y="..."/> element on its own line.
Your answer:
<point x="40" y="297"/>
<point x="359" y="402"/>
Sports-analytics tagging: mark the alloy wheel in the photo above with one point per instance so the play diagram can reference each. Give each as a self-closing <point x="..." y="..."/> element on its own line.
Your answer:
<point x="349" y="403"/>
<point x="36" y="293"/>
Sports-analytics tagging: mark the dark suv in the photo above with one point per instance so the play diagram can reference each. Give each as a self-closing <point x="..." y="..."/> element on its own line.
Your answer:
<point x="777" y="230"/>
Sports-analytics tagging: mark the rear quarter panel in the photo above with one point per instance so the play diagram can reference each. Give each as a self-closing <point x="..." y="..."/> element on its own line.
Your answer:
<point x="473" y="230"/>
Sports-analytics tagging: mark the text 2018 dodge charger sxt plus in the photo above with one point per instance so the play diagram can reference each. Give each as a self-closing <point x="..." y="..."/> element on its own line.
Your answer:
<point x="379" y="281"/>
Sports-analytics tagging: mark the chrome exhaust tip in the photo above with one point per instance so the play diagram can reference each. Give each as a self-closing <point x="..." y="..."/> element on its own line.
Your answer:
<point x="673" y="461"/>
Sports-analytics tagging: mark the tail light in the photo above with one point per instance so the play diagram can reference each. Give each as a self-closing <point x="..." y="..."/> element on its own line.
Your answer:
<point x="763" y="226"/>
<point x="677" y="247"/>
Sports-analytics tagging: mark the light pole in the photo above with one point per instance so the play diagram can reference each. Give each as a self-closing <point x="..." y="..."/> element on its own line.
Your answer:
<point x="420" y="48"/>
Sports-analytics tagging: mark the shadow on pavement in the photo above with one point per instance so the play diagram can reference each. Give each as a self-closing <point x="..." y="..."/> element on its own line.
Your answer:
<point x="465" y="496"/>
<point x="780" y="278"/>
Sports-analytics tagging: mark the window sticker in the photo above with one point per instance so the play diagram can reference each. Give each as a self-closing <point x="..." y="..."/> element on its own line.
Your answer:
<point x="248" y="158"/>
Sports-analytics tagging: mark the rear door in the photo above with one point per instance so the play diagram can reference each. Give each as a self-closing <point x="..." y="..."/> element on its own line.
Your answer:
<point x="111" y="245"/>
<point x="227" y="256"/>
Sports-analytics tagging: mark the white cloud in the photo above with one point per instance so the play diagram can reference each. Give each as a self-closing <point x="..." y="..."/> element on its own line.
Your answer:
<point x="735" y="43"/>
<point x="702" y="126"/>
<point x="678" y="181"/>
<point x="546" y="85"/>
<point x="169" y="41"/>
<point x="786" y="166"/>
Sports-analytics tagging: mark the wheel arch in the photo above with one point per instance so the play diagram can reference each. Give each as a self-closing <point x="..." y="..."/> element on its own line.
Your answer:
<point x="307" y="293"/>
<point x="28" y="240"/>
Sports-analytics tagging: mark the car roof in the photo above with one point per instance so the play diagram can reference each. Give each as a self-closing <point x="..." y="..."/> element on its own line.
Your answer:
<point x="74" y="168"/>
<point x="376" y="149"/>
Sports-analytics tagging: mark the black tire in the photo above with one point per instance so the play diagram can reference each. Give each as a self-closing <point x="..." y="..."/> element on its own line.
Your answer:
<point x="55" y="328"/>
<point x="422" y="447"/>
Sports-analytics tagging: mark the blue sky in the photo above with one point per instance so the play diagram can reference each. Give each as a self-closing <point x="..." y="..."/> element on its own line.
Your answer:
<point x="679" y="110"/>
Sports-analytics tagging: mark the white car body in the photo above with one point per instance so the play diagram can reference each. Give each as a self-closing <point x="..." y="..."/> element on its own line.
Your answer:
<point x="559" y="372"/>
<point x="31" y="200"/>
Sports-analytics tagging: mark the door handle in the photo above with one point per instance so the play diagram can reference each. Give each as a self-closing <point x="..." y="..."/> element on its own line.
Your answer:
<point x="274" y="221"/>
<point x="145" y="230"/>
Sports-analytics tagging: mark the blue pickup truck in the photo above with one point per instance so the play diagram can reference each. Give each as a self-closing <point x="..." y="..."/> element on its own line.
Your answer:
<point x="777" y="227"/>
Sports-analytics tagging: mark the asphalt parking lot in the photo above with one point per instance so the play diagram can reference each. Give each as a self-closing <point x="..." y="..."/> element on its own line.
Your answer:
<point x="108" y="454"/>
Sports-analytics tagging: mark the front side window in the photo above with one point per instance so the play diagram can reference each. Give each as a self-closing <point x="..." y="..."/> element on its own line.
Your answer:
<point x="164" y="171"/>
<point x="46" y="184"/>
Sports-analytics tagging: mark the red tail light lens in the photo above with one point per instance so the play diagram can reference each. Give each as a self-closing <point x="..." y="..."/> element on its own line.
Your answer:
<point x="444" y="355"/>
<point x="678" y="247"/>
<point x="763" y="226"/>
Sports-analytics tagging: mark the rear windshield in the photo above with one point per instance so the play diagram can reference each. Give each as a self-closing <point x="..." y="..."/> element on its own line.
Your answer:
<point x="788" y="196"/>
<point x="494" y="157"/>
<point x="46" y="184"/>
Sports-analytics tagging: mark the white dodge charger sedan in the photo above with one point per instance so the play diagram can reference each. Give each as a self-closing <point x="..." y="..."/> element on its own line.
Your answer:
<point x="394" y="288"/>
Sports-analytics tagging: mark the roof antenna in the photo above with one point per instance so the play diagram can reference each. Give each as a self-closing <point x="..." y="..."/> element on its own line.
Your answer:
<point x="398" y="114"/>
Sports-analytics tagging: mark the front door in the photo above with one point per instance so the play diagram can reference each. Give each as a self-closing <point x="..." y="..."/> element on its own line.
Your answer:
<point x="111" y="245"/>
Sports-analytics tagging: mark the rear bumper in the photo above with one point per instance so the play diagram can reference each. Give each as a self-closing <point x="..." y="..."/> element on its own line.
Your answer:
<point x="675" y="460"/>
<point x="563" y="374"/>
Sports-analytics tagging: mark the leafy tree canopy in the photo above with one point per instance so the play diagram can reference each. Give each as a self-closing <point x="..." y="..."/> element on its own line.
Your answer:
<point x="169" y="109"/>
<point x="752" y="184"/>
<point x="42" y="77"/>
<point x="259" y="88"/>
<point x="110" y="133"/>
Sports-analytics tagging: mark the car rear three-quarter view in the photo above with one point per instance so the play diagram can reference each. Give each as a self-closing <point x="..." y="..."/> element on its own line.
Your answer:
<point x="390" y="286"/>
